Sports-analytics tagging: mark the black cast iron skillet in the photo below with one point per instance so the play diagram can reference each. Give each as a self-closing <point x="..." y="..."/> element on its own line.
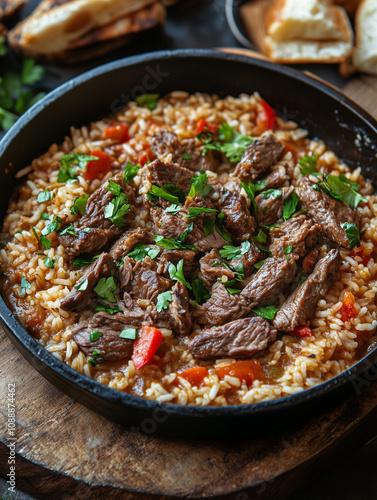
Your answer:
<point x="326" y="113"/>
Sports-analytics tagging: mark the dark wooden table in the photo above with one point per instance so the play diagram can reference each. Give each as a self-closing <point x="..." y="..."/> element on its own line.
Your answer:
<point x="62" y="446"/>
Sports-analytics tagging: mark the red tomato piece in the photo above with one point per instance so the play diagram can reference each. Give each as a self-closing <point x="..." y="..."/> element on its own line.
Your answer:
<point x="146" y="156"/>
<point x="195" y="375"/>
<point x="348" y="311"/>
<point x="266" y="117"/>
<point x="247" y="370"/>
<point x="204" y="126"/>
<point x="117" y="132"/>
<point x="146" y="345"/>
<point x="97" y="169"/>
<point x="302" y="331"/>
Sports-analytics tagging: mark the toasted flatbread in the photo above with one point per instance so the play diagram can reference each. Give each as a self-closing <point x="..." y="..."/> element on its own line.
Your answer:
<point x="9" y="7"/>
<point x="310" y="31"/>
<point x="56" y="25"/>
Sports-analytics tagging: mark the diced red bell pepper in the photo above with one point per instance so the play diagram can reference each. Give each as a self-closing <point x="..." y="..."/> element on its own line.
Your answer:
<point x="146" y="155"/>
<point x="266" y="117"/>
<point x="204" y="126"/>
<point x="195" y="375"/>
<point x="348" y="311"/>
<point x="302" y="332"/>
<point x="97" y="169"/>
<point x="247" y="370"/>
<point x="117" y="132"/>
<point x="146" y="345"/>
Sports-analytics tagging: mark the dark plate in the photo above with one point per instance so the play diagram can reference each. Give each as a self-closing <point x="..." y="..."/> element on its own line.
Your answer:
<point x="326" y="113"/>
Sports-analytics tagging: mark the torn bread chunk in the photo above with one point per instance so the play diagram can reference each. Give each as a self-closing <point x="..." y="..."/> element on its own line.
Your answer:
<point x="310" y="31"/>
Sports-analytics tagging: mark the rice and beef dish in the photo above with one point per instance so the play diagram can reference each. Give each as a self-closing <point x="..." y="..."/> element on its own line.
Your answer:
<point x="195" y="250"/>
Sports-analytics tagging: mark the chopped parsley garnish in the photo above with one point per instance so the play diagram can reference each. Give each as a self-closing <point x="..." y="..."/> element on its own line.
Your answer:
<point x="41" y="239"/>
<point x="44" y="216"/>
<point x="261" y="184"/>
<point x="173" y="209"/>
<point x="352" y="233"/>
<point x="24" y="286"/>
<point x="199" y="185"/>
<point x="219" y="227"/>
<point x="259" y="264"/>
<point x="271" y="193"/>
<point x="200" y="292"/>
<point x="229" y="285"/>
<point x="230" y="252"/>
<point x="302" y="279"/>
<point x="114" y="188"/>
<point x="81" y="287"/>
<point x="141" y="251"/>
<point x="273" y="226"/>
<point x="309" y="164"/>
<point x="49" y="262"/>
<point x="91" y="362"/>
<point x="70" y="164"/>
<point x="229" y="142"/>
<point x="3" y="49"/>
<point x="50" y="228"/>
<point x="268" y="312"/>
<point x="290" y="205"/>
<point x="343" y="189"/>
<point x="87" y="230"/>
<point x="194" y="212"/>
<point x="79" y="262"/>
<point x="93" y="336"/>
<point x="175" y="191"/>
<point x="117" y="209"/>
<point x="129" y="333"/>
<point x="176" y="273"/>
<point x="130" y="172"/>
<point x="163" y="300"/>
<point x="70" y="230"/>
<point x="158" y="192"/>
<point x="147" y="100"/>
<point x="208" y="225"/>
<point x="171" y="244"/>
<point x="79" y="204"/>
<point x="288" y="250"/>
<point x="261" y="236"/>
<point x="250" y="190"/>
<point x="102" y="306"/>
<point x="106" y="289"/>
<point x="186" y="156"/>
<point x="44" y="196"/>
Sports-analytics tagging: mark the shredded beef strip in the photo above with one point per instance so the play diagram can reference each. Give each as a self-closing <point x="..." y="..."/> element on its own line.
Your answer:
<point x="101" y="268"/>
<point x="126" y="274"/>
<point x="300" y="306"/>
<point x="212" y="268"/>
<point x="101" y="229"/>
<point x="259" y="157"/>
<point x="146" y="282"/>
<point x="110" y="346"/>
<point x="128" y="241"/>
<point x="327" y="212"/>
<point x="276" y="179"/>
<point x="298" y="232"/>
<point x="270" y="209"/>
<point x="179" y="309"/>
<point x="239" y="339"/>
<point x="239" y="223"/>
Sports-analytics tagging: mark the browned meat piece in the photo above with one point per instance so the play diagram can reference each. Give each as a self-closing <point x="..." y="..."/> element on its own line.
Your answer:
<point x="128" y="240"/>
<point x="259" y="157"/>
<point x="327" y="212"/>
<point x="110" y="346"/>
<point x="212" y="268"/>
<point x="221" y="307"/>
<point x="238" y="222"/>
<point x="179" y="309"/>
<point x="93" y="229"/>
<point x="276" y="179"/>
<point x="168" y="226"/>
<point x="132" y="311"/>
<point x="147" y="283"/>
<point x="160" y="173"/>
<point x="190" y="265"/>
<point x="9" y="7"/>
<point x="270" y="209"/>
<point x="126" y="274"/>
<point x="165" y="142"/>
<point x="101" y="268"/>
<point x="298" y="231"/>
<point x="300" y="306"/>
<point x="270" y="281"/>
<point x="248" y="260"/>
<point x="239" y="339"/>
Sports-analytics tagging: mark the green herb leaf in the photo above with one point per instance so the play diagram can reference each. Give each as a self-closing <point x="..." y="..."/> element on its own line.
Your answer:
<point x="343" y="191"/>
<point x="70" y="230"/>
<point x="24" y="286"/>
<point x="354" y="185"/>
<point x="250" y="190"/>
<point x="200" y="292"/>
<point x="208" y="225"/>
<point x="229" y="142"/>
<point x="171" y="244"/>
<point x="148" y="101"/>
<point x="3" y="49"/>
<point x="268" y="312"/>
<point x="259" y="264"/>
<point x="117" y="209"/>
<point x="199" y="185"/>
<point x="44" y="196"/>
<point x="163" y="300"/>
<point x="141" y="251"/>
<point x="45" y="242"/>
<point x="93" y="336"/>
<point x="173" y="209"/>
<point x="219" y="227"/>
<point x="49" y="262"/>
<point x="352" y="233"/>
<point x="51" y="227"/>
<point x="69" y="165"/>
<point x="290" y="205"/>
<point x="303" y="277"/>
<point x="79" y="204"/>
<point x="81" y="287"/>
<point x="31" y="72"/>
<point x="261" y="237"/>
<point x="175" y="191"/>
<point x="129" y="333"/>
<point x="194" y="212"/>
<point x="106" y="289"/>
<point x="130" y="172"/>
<point x="288" y="250"/>
<point x="230" y="252"/>
<point x="186" y="156"/>
<point x="102" y="306"/>
<point x="309" y="164"/>
<point x="91" y="362"/>
<point x="271" y="193"/>
<point x="176" y="273"/>
<point x="79" y="262"/>
<point x="161" y="193"/>
<point x="114" y="188"/>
